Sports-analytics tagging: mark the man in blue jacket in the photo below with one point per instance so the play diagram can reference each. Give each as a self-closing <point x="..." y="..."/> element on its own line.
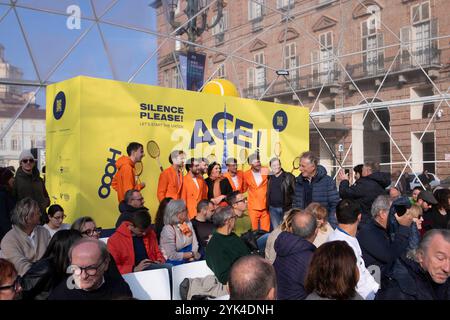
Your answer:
<point x="365" y="190"/>
<point x="294" y="252"/>
<point x="423" y="275"/>
<point x="314" y="185"/>
<point x="374" y="239"/>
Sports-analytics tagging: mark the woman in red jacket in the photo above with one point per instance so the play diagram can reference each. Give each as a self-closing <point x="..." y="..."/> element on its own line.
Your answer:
<point x="134" y="245"/>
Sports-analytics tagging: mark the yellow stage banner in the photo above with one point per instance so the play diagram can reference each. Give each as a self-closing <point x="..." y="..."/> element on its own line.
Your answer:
<point x="91" y="121"/>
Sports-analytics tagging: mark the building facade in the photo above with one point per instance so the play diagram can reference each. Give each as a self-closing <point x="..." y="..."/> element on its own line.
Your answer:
<point x="28" y="130"/>
<point x="342" y="57"/>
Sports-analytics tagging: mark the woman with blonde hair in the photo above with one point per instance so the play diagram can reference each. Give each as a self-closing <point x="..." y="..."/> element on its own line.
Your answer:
<point x="286" y="225"/>
<point x="322" y="222"/>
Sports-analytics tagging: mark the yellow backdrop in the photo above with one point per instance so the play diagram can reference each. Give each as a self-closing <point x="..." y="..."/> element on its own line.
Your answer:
<point x="91" y="121"/>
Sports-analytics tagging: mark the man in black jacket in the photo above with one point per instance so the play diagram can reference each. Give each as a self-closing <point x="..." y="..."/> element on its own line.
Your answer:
<point x="423" y="275"/>
<point x="132" y="202"/>
<point x="372" y="184"/>
<point x="280" y="190"/>
<point x="374" y="240"/>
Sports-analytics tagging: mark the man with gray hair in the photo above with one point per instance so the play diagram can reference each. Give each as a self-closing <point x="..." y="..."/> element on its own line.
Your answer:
<point x="314" y="185"/>
<point x="423" y="274"/>
<point x="27" y="241"/>
<point x="371" y="184"/>
<point x="89" y="260"/>
<point x="294" y="252"/>
<point x="376" y="245"/>
<point x="252" y="278"/>
<point x="134" y="201"/>
<point x="225" y="247"/>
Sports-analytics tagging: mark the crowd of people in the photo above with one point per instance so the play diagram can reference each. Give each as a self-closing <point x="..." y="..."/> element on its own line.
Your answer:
<point x="309" y="237"/>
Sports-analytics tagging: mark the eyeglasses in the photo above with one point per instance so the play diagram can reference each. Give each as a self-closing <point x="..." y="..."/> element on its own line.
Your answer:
<point x="90" y="232"/>
<point x="138" y="199"/>
<point x="28" y="160"/>
<point x="89" y="270"/>
<point x="242" y="200"/>
<point x="59" y="218"/>
<point x="15" y="286"/>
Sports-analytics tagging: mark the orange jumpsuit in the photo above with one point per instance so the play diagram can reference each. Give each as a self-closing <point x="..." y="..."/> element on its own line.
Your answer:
<point x="169" y="184"/>
<point x="257" y="195"/>
<point x="192" y="195"/>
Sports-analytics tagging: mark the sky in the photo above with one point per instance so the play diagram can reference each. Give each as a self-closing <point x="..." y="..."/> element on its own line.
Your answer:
<point x="50" y="36"/>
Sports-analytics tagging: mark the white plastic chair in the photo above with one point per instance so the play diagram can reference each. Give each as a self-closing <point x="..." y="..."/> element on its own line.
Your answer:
<point x="149" y="284"/>
<point x="198" y="269"/>
<point x="105" y="240"/>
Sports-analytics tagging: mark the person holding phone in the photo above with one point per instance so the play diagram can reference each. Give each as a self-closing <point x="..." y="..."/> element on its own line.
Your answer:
<point x="365" y="190"/>
<point x="377" y="245"/>
<point x="134" y="246"/>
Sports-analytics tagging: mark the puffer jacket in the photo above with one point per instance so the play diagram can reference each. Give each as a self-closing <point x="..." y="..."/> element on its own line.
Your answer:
<point x="365" y="190"/>
<point x="406" y="280"/>
<point x="324" y="191"/>
<point x="291" y="265"/>
<point x="31" y="185"/>
<point x="7" y="203"/>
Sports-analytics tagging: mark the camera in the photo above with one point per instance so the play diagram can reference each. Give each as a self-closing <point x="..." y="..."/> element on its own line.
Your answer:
<point x="400" y="210"/>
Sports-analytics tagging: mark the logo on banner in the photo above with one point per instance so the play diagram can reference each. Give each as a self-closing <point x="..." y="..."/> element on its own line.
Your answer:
<point x="59" y="105"/>
<point x="280" y="120"/>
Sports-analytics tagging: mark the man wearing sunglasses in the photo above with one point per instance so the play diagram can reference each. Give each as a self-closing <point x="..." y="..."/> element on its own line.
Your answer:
<point x="89" y="259"/>
<point x="28" y="182"/>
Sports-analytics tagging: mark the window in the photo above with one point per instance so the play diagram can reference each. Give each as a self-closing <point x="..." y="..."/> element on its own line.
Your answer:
<point x="3" y="144"/>
<point x="420" y="13"/>
<point x="422" y="47"/>
<point x="372" y="39"/>
<point x="256" y="76"/>
<point x="166" y="78"/>
<point x="255" y="9"/>
<point x="291" y="62"/>
<point x="219" y="29"/>
<point x="15" y="143"/>
<point x="176" y="82"/>
<point x="323" y="68"/>
<point x="222" y="26"/>
<point x="285" y="4"/>
<point x="221" y="71"/>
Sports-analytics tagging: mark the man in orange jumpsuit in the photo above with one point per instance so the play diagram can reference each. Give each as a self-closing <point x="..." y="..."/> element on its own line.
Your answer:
<point x="171" y="180"/>
<point x="194" y="187"/>
<point x="234" y="176"/>
<point x="125" y="178"/>
<point x="256" y="182"/>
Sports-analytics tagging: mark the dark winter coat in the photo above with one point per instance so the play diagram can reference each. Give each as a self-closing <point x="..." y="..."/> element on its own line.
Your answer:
<point x="31" y="185"/>
<point x="323" y="191"/>
<point x="287" y="190"/>
<point x="406" y="280"/>
<point x="377" y="247"/>
<point x="291" y="265"/>
<point x="126" y="212"/>
<point x="365" y="190"/>
<point x="7" y="203"/>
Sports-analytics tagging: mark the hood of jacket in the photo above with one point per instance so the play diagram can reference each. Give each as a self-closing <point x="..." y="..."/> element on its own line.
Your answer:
<point x="123" y="230"/>
<point x="124" y="161"/>
<point x="125" y="207"/>
<point x="382" y="178"/>
<point x="289" y="244"/>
